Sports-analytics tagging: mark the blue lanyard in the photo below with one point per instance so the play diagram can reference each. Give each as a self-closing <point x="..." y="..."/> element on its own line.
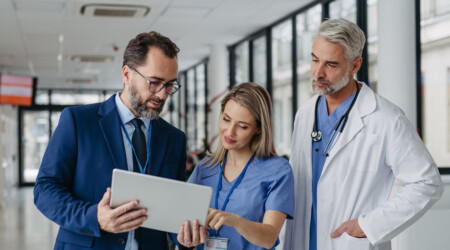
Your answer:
<point x="238" y="180"/>
<point x="143" y="170"/>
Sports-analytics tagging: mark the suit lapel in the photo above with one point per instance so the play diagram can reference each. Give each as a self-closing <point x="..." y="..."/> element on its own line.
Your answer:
<point x="158" y="147"/>
<point x="110" y="125"/>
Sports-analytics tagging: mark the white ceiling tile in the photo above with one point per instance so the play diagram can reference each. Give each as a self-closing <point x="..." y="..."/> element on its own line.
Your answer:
<point x="187" y="12"/>
<point x="42" y="43"/>
<point x="34" y="26"/>
<point x="197" y="3"/>
<point x="39" y="6"/>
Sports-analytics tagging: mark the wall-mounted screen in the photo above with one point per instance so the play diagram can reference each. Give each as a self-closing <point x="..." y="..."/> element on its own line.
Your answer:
<point x="17" y="90"/>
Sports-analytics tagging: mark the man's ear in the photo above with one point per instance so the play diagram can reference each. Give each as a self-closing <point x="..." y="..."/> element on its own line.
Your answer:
<point x="126" y="74"/>
<point x="356" y="65"/>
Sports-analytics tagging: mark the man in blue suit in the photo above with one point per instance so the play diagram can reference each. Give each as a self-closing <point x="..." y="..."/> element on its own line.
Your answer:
<point x="72" y="187"/>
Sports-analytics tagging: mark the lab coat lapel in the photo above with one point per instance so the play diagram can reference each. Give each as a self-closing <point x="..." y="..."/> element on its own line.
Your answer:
<point x="110" y="125"/>
<point x="158" y="147"/>
<point x="364" y="105"/>
<point x="308" y="123"/>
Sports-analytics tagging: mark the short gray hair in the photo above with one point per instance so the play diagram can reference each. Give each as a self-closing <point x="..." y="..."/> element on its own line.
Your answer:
<point x="344" y="33"/>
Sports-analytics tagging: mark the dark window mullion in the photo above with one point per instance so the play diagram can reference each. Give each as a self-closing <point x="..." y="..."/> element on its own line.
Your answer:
<point x="269" y="60"/>
<point x="206" y="107"/>
<point x="232" y="65"/>
<point x="294" y="67"/>
<point x="361" y="20"/>
<point x="250" y="62"/>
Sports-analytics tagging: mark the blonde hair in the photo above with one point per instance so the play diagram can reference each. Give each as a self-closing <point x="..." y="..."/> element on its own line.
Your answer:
<point x="256" y="99"/>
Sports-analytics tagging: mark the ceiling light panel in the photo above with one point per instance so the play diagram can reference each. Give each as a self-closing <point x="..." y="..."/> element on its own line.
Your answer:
<point x="91" y="58"/>
<point x="114" y="10"/>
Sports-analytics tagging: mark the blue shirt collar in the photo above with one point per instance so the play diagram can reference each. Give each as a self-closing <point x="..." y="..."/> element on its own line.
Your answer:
<point x="332" y="119"/>
<point x="125" y="113"/>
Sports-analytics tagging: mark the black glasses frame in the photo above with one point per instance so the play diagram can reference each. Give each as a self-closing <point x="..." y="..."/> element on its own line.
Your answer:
<point x="174" y="84"/>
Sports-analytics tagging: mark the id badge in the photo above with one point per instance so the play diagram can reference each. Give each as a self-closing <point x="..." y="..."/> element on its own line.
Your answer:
<point x="216" y="243"/>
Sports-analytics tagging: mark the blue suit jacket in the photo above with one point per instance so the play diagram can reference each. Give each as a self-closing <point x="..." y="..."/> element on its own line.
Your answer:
<point x="77" y="169"/>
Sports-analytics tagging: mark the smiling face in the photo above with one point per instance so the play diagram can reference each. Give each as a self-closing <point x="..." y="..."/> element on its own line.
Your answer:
<point x="237" y="126"/>
<point x="136" y="94"/>
<point x="329" y="67"/>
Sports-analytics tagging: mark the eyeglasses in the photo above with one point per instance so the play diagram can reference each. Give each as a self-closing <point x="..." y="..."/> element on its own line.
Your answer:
<point x="156" y="86"/>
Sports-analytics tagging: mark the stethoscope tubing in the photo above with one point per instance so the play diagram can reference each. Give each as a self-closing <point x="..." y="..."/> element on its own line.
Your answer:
<point x="316" y="134"/>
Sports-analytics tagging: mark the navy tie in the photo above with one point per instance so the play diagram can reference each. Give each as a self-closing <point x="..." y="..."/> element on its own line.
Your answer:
<point x="139" y="145"/>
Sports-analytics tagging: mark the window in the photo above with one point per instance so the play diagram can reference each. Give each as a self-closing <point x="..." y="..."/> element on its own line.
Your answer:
<point x="372" y="42"/>
<point x="242" y="63"/>
<point x="442" y="7"/>
<point x="190" y="112"/>
<point x="435" y="86"/>
<point x="260" y="61"/>
<point x="35" y="137"/>
<point x="201" y="105"/>
<point x="343" y="9"/>
<point x="307" y="24"/>
<point x="174" y="101"/>
<point x="42" y="97"/>
<point x="182" y="97"/>
<point x="70" y="97"/>
<point x="282" y="85"/>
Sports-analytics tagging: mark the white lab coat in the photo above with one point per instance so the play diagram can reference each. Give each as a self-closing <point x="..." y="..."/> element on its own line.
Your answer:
<point x="377" y="145"/>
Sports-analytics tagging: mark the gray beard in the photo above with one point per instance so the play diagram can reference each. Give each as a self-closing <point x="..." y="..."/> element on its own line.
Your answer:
<point x="331" y="88"/>
<point x="140" y="107"/>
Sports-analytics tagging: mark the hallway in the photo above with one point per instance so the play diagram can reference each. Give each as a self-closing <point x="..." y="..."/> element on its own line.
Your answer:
<point x="22" y="226"/>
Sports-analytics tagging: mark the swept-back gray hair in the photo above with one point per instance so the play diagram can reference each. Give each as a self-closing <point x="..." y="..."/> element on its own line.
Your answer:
<point x="344" y="33"/>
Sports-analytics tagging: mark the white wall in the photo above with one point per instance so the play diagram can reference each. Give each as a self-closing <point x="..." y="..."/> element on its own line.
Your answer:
<point x="9" y="151"/>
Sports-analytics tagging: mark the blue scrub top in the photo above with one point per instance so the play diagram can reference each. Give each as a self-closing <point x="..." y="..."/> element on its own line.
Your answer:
<point x="326" y="125"/>
<point x="268" y="184"/>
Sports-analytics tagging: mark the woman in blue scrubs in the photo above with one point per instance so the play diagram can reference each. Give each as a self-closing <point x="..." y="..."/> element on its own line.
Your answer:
<point x="253" y="188"/>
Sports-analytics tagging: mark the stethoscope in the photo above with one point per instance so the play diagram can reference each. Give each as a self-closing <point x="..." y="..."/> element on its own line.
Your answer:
<point x="316" y="134"/>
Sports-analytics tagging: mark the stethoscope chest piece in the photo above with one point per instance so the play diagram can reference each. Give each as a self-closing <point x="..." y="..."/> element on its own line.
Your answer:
<point x="316" y="135"/>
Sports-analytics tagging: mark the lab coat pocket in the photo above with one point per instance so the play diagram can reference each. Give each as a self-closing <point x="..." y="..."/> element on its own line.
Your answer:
<point x="348" y="242"/>
<point x="367" y="152"/>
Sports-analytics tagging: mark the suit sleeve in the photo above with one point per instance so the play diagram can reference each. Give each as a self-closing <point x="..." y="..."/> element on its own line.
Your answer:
<point x="413" y="166"/>
<point x="54" y="183"/>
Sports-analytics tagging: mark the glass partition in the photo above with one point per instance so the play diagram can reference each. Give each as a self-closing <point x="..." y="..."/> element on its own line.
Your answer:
<point x="307" y="24"/>
<point x="201" y="103"/>
<point x="35" y="137"/>
<point x="343" y="9"/>
<point x="242" y="63"/>
<point x="260" y="61"/>
<point x="190" y="112"/>
<point x="282" y="85"/>
<point x="435" y="89"/>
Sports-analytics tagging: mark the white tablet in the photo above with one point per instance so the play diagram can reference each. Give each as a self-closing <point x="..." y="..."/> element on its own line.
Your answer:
<point x="169" y="202"/>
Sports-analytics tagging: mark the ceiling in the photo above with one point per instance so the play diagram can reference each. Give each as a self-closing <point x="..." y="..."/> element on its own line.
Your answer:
<point x="42" y="37"/>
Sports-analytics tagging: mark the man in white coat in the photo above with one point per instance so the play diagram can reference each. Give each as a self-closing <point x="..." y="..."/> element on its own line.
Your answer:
<point x="348" y="146"/>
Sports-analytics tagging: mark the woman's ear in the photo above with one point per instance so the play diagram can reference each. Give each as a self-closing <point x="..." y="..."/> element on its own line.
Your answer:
<point x="259" y="131"/>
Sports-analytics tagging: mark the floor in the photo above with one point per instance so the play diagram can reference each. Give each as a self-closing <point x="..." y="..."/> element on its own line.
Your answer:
<point x="22" y="226"/>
